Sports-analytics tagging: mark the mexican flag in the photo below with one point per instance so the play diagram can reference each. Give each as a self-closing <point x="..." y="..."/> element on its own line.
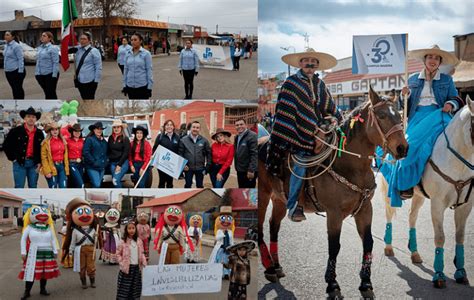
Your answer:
<point x="67" y="36"/>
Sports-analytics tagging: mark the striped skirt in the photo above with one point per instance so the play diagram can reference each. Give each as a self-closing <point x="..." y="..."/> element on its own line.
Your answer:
<point x="46" y="266"/>
<point x="129" y="286"/>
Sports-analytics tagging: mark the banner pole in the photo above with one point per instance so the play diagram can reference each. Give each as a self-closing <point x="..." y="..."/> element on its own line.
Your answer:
<point x="148" y="164"/>
<point x="73" y="35"/>
<point x="405" y="97"/>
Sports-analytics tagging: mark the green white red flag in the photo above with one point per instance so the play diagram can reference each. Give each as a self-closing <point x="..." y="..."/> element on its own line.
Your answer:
<point x="67" y="35"/>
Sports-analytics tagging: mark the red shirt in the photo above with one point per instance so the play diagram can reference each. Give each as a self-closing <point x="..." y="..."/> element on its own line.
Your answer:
<point x="222" y="154"/>
<point x="74" y="148"/>
<point x="135" y="157"/>
<point x="31" y="139"/>
<point x="57" y="149"/>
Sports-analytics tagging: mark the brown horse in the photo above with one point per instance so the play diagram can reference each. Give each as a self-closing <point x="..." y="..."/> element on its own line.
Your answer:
<point x="345" y="189"/>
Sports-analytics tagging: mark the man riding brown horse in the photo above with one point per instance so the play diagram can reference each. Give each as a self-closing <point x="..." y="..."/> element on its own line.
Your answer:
<point x="303" y="103"/>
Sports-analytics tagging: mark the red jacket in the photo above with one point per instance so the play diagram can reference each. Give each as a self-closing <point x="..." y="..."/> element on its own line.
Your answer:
<point x="134" y="157"/>
<point x="222" y="154"/>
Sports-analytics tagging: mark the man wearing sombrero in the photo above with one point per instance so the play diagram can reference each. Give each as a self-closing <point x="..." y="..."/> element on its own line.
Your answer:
<point x="432" y="98"/>
<point x="303" y="103"/>
<point x="23" y="147"/>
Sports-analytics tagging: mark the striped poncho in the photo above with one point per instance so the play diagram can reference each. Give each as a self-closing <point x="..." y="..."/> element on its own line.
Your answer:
<point x="299" y="111"/>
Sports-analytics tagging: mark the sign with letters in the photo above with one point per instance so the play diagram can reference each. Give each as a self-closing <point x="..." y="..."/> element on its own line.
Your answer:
<point x="169" y="162"/>
<point x="379" y="54"/>
<point x="182" y="279"/>
<point x="215" y="57"/>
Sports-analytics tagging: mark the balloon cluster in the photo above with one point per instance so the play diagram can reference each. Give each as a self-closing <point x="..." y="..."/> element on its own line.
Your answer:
<point x="69" y="109"/>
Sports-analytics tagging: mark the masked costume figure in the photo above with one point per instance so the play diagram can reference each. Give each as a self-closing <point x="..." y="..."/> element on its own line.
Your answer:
<point x="111" y="236"/>
<point x="144" y="232"/>
<point x="195" y="232"/>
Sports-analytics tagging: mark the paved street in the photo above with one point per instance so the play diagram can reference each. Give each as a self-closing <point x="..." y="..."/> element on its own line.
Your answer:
<point x="168" y="83"/>
<point x="303" y="255"/>
<point x="7" y="177"/>
<point x="68" y="286"/>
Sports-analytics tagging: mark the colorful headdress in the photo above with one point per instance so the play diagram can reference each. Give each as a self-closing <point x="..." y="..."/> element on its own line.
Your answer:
<point x="35" y="209"/>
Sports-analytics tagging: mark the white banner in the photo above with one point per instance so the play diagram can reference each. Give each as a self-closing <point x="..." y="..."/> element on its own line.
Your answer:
<point x="379" y="54"/>
<point x="216" y="57"/>
<point x="182" y="279"/>
<point x="77" y="259"/>
<point x="164" y="249"/>
<point x="169" y="162"/>
<point x="30" y="265"/>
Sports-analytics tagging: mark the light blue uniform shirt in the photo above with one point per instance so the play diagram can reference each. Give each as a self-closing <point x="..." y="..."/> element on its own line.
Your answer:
<point x="13" y="57"/>
<point x="138" y="69"/>
<point x="122" y="51"/>
<point x="91" y="70"/>
<point x="188" y="60"/>
<point x="47" y="61"/>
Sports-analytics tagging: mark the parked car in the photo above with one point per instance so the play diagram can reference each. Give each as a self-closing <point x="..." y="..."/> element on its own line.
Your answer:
<point x="29" y="53"/>
<point x="144" y="123"/>
<point x="85" y="122"/>
<point x="70" y="55"/>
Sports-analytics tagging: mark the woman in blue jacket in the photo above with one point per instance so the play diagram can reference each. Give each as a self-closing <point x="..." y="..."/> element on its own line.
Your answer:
<point x="432" y="101"/>
<point x="95" y="154"/>
<point x="14" y="64"/>
<point x="47" y="66"/>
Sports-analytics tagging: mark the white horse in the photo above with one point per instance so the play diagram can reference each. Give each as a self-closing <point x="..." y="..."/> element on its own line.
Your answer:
<point x="450" y="185"/>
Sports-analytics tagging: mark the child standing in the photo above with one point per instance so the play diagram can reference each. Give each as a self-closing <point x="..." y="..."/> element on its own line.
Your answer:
<point x="131" y="260"/>
<point x="239" y="264"/>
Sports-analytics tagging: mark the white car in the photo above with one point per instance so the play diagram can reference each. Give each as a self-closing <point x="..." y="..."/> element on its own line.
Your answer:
<point x="70" y="56"/>
<point x="29" y="53"/>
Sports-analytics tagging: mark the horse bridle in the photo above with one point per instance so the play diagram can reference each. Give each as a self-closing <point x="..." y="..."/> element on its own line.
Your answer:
<point x="374" y="120"/>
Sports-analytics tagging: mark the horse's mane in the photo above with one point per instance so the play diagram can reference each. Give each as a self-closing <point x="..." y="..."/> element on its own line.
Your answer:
<point x="345" y="124"/>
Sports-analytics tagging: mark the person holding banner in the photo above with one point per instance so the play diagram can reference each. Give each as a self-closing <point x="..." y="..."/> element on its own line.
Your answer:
<point x="188" y="67"/>
<point x="122" y="51"/>
<point x="195" y="148"/>
<point x="246" y="155"/>
<point x="139" y="156"/>
<point x="88" y="67"/>
<point x="222" y="156"/>
<point x="303" y="103"/>
<point x="138" y="71"/>
<point x="39" y="249"/>
<point x="169" y="139"/>
<point x="118" y="152"/>
<point x="47" y="66"/>
<point x="432" y="101"/>
<point x="131" y="259"/>
<point x="95" y="154"/>
<point x="14" y="64"/>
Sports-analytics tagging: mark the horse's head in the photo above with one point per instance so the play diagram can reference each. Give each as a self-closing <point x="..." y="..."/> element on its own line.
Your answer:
<point x="385" y="125"/>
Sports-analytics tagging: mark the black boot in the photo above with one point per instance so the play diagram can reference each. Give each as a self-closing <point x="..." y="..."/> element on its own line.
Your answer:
<point x="28" y="286"/>
<point x="43" y="290"/>
<point x="92" y="279"/>
<point x="84" y="282"/>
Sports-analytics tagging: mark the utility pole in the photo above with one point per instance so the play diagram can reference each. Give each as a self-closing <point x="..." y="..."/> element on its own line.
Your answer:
<point x="41" y="199"/>
<point x="217" y="28"/>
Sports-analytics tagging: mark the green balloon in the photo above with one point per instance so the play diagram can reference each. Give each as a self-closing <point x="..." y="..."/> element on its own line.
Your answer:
<point x="65" y="106"/>
<point x="63" y="112"/>
<point x="72" y="110"/>
<point x="74" y="103"/>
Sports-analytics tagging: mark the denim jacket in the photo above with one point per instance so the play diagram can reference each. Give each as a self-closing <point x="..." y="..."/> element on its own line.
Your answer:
<point x="443" y="90"/>
<point x="95" y="153"/>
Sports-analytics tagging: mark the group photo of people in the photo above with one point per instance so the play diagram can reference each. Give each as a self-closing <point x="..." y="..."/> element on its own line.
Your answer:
<point x="61" y="149"/>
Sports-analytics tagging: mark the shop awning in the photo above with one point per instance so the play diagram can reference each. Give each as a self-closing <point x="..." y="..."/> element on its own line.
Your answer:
<point x="463" y="77"/>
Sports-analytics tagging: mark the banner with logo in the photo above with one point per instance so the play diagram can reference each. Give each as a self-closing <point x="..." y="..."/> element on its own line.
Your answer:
<point x="182" y="279"/>
<point x="379" y="54"/>
<point x="169" y="162"/>
<point x="215" y="57"/>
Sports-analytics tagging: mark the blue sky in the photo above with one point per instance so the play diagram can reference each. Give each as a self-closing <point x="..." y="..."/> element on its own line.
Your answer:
<point x="331" y="25"/>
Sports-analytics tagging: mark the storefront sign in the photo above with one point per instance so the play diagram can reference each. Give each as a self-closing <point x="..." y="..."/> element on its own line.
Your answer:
<point x="91" y="22"/>
<point x="383" y="83"/>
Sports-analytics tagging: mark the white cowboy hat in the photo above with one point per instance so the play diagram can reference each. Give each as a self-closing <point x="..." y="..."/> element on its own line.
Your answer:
<point x="448" y="58"/>
<point x="119" y="123"/>
<point x="326" y="61"/>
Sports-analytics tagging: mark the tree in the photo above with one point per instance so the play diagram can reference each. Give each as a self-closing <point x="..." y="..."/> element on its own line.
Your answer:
<point x="107" y="9"/>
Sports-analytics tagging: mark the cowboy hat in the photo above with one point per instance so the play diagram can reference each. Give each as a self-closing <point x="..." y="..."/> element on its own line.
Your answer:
<point x="119" y="123"/>
<point x="96" y="125"/>
<point x="142" y="129"/>
<point x="51" y="126"/>
<point x="221" y="130"/>
<point x="73" y="204"/>
<point x="248" y="245"/>
<point x="326" y="61"/>
<point x="447" y="57"/>
<point x="30" y="111"/>
<point x="75" y="127"/>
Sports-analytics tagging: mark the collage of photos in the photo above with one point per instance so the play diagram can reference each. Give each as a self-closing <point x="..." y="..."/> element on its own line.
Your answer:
<point x="240" y="150"/>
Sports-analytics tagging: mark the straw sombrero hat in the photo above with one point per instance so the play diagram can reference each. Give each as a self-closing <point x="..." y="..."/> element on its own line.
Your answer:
<point x="448" y="58"/>
<point x="51" y="126"/>
<point x="119" y="123"/>
<point x="248" y="245"/>
<point x="326" y="61"/>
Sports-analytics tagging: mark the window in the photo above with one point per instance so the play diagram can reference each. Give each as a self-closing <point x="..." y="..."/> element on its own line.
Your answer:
<point x="6" y="212"/>
<point x="182" y="118"/>
<point x="15" y="212"/>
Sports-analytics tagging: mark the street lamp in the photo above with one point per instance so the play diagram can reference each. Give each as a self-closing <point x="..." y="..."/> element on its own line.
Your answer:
<point x="288" y="49"/>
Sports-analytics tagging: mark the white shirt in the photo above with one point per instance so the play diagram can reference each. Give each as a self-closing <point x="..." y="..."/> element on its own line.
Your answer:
<point x="77" y="236"/>
<point x="133" y="253"/>
<point x="427" y="97"/>
<point x="44" y="239"/>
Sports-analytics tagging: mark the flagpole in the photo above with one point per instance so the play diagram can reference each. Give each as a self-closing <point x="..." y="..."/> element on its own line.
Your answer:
<point x="72" y="37"/>
<point x="147" y="165"/>
<point x="405" y="97"/>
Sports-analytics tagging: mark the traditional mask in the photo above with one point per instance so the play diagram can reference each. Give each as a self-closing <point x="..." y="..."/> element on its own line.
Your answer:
<point x="173" y="215"/>
<point x="112" y="216"/>
<point x="195" y="221"/>
<point x="225" y="221"/>
<point x="143" y="218"/>
<point x="39" y="214"/>
<point x="83" y="215"/>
